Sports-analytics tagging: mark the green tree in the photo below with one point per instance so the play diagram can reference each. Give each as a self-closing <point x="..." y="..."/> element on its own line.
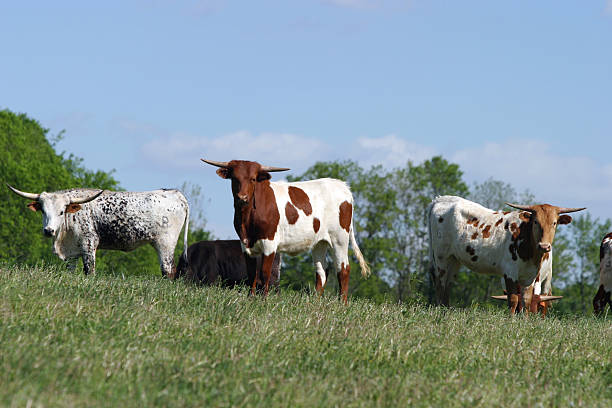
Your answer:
<point x="415" y="186"/>
<point x="29" y="163"/>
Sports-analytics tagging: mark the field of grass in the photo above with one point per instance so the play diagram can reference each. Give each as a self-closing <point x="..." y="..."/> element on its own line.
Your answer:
<point x="104" y="340"/>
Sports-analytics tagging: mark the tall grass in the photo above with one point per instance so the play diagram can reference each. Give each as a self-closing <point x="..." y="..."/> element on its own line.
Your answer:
<point x="73" y="340"/>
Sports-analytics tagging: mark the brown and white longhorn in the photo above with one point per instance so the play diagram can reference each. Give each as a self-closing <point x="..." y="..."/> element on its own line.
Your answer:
<point x="272" y="217"/>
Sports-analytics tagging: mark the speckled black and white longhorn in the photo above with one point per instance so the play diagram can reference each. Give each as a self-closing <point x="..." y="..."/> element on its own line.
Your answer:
<point x="81" y="221"/>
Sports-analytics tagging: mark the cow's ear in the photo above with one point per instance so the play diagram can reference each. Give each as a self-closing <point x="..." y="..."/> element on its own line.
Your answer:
<point x="72" y="208"/>
<point x="34" y="206"/>
<point x="263" y="176"/>
<point x="525" y="216"/>
<point x="565" y="219"/>
<point x="224" y="172"/>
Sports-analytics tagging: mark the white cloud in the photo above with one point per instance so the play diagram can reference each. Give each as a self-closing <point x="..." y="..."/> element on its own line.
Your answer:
<point x="391" y="151"/>
<point x="182" y="150"/>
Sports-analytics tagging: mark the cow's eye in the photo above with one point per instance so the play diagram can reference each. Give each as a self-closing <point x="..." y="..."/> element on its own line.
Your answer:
<point x="61" y="213"/>
<point x="253" y="179"/>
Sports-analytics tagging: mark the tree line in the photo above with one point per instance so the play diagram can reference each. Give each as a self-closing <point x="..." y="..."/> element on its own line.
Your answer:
<point x="31" y="163"/>
<point x="389" y="216"/>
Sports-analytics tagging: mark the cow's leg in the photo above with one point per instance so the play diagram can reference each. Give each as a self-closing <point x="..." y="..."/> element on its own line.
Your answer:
<point x="319" y="253"/>
<point x="266" y="270"/>
<point x="443" y="272"/>
<point x="89" y="245"/>
<point x="89" y="262"/>
<point x="515" y="303"/>
<point x="600" y="301"/>
<point x="343" y="269"/>
<point x="253" y="266"/>
<point x="165" y="254"/>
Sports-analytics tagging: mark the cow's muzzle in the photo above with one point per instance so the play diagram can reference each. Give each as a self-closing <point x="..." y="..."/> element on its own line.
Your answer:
<point x="546" y="247"/>
<point x="48" y="232"/>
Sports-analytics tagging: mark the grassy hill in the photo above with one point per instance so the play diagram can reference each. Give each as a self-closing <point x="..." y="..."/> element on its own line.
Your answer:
<point x="104" y="340"/>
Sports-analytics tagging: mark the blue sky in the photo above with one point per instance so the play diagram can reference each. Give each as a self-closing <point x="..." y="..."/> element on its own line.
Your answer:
<point x="517" y="90"/>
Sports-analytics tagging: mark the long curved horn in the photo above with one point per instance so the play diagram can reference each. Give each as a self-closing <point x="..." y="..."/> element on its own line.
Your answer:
<point x="270" y="168"/>
<point x="563" y="210"/>
<point x="87" y="199"/>
<point x="216" y="163"/>
<point x="521" y="207"/>
<point x="544" y="298"/>
<point x="30" y="196"/>
<point x="502" y="297"/>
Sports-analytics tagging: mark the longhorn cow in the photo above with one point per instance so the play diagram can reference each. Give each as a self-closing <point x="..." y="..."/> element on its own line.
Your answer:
<point x="81" y="221"/>
<point x="272" y="217"/>
<point x="514" y="245"/>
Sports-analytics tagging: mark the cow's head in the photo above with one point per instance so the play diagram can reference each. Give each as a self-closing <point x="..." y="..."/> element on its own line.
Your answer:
<point x="244" y="175"/>
<point x="544" y="219"/>
<point x="54" y="206"/>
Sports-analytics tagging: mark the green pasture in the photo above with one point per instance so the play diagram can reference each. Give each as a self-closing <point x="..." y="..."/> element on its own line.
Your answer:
<point x="110" y="340"/>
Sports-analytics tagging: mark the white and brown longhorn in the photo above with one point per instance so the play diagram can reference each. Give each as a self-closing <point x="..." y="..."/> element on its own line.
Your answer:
<point x="272" y="217"/>
<point x="515" y="245"/>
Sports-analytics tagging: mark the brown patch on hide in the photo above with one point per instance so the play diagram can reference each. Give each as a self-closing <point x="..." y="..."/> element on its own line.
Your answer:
<point x="72" y="208"/>
<point x="300" y="199"/>
<point x="486" y="233"/>
<point x="316" y="224"/>
<point x="291" y="213"/>
<point x="346" y="213"/>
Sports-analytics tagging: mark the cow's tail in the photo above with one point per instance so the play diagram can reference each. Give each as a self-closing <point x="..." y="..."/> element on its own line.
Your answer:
<point x="432" y="266"/>
<point x="365" y="268"/>
<point x="186" y="235"/>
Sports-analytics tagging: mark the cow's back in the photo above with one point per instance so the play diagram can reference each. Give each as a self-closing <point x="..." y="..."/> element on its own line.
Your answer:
<point x="126" y="220"/>
<point x="314" y="217"/>
<point x="476" y="236"/>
